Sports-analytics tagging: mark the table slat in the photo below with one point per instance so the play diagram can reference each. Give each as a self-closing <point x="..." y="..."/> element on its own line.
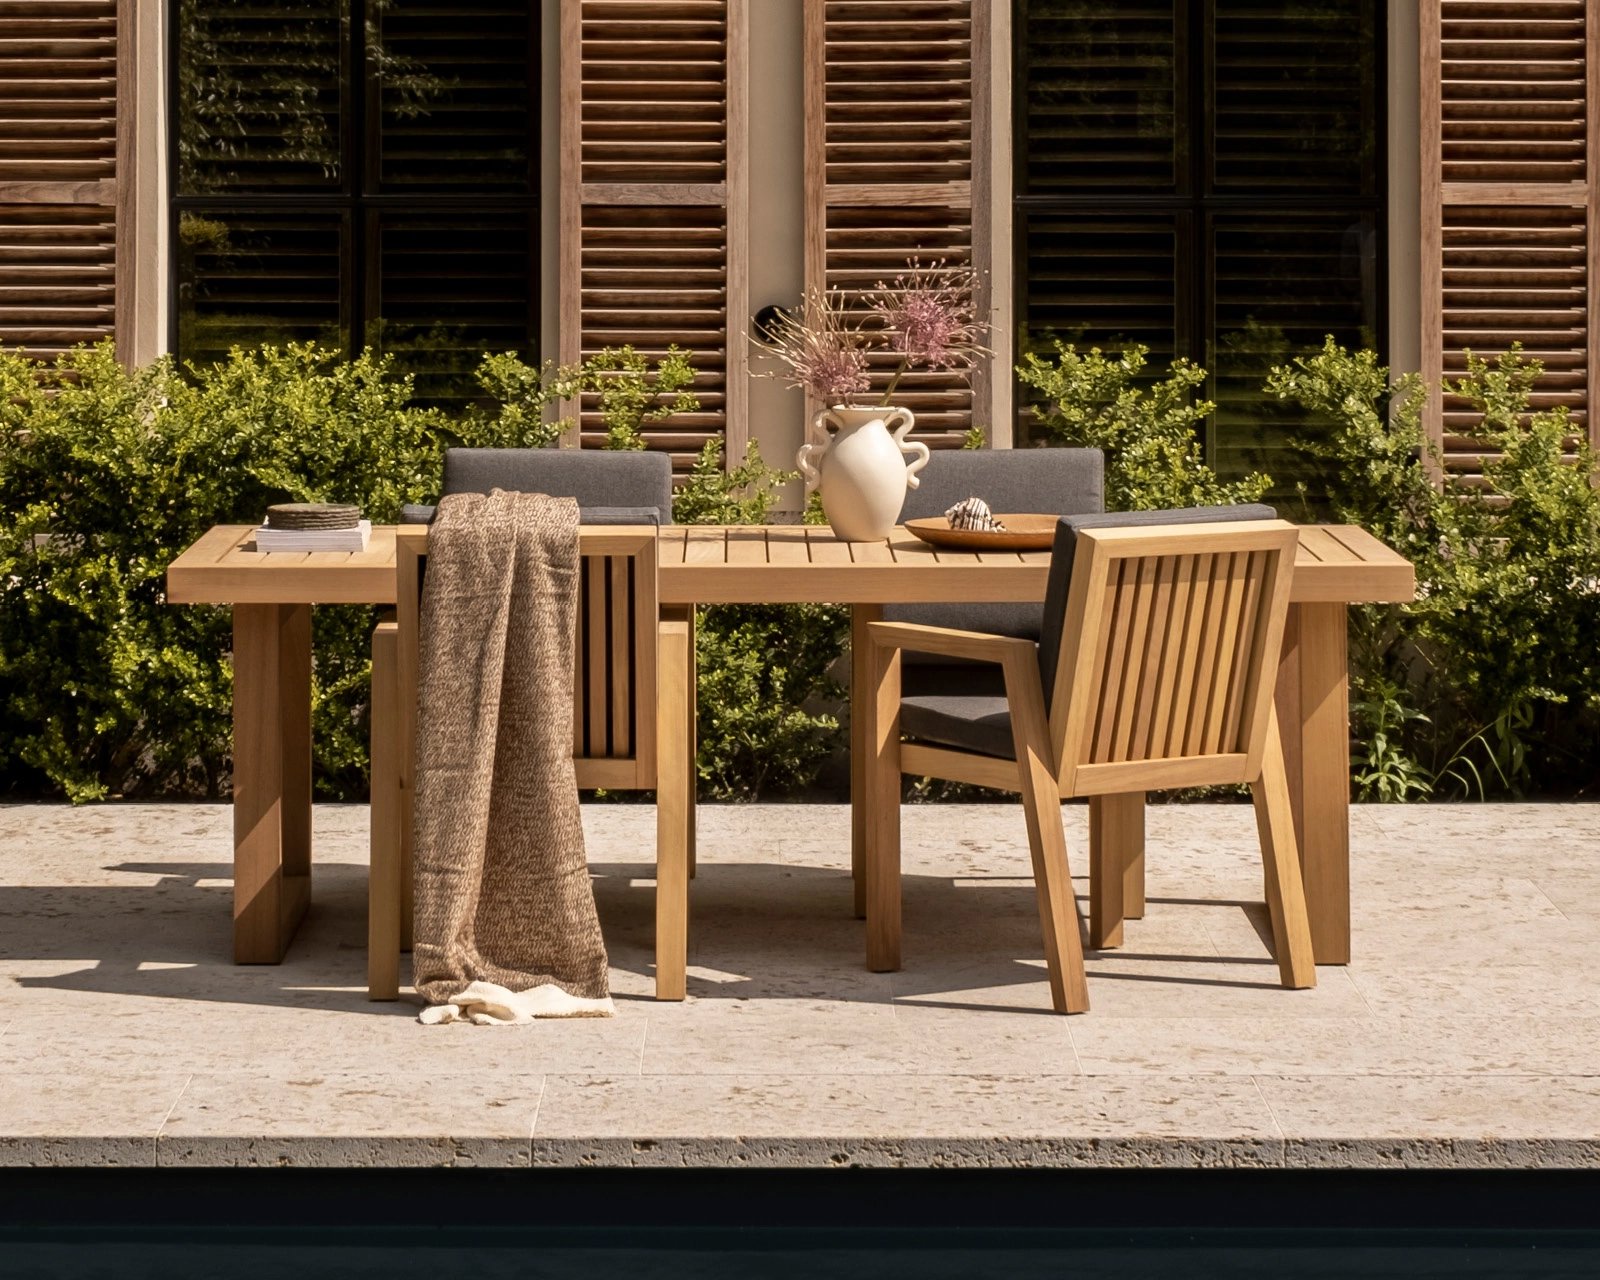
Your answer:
<point x="859" y="552"/>
<point x="706" y="544"/>
<point x="786" y="545"/>
<point x="674" y="540"/>
<point x="748" y="546"/>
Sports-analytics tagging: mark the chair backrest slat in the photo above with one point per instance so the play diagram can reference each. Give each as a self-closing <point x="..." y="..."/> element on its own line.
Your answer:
<point x="1217" y="567"/>
<point x="1118" y="604"/>
<point x="1243" y="644"/>
<point x="1177" y="572"/>
<point x="1180" y="627"/>
<point x="1196" y="570"/>
<point x="597" y="652"/>
<point x="618" y="570"/>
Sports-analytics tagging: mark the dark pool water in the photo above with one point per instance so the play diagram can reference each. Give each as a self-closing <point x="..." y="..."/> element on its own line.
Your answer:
<point x="948" y="1255"/>
<point x="742" y="1224"/>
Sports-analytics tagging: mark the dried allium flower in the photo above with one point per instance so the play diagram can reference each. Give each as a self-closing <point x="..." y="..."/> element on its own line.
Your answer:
<point x="826" y="356"/>
<point x="929" y="316"/>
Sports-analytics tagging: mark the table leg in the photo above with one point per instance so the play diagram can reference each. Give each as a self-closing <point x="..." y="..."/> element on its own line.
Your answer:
<point x="1314" y="709"/>
<point x="860" y="747"/>
<point x="692" y="815"/>
<point x="271" y="778"/>
<point x="674" y="789"/>
<point x="877" y="702"/>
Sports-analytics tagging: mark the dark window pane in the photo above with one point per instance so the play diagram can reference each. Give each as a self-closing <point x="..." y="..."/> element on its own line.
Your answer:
<point x="456" y="89"/>
<point x="1100" y="86"/>
<point x="258" y="94"/>
<point x="450" y="288"/>
<point x="1295" y="95"/>
<point x="1282" y="283"/>
<point x="1106" y="282"/>
<point x="252" y="279"/>
<point x="1101" y="282"/>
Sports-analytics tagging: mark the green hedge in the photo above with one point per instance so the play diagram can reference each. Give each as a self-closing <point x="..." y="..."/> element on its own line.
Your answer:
<point x="106" y="474"/>
<point x="1489" y="683"/>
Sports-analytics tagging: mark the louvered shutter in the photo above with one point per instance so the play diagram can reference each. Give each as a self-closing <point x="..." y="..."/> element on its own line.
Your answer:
<point x="654" y="200"/>
<point x="60" y="160"/>
<point x="1509" y="228"/>
<point x="897" y="147"/>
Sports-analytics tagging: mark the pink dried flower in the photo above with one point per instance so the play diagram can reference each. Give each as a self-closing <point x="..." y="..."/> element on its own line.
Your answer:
<point x="825" y="355"/>
<point x="929" y="316"/>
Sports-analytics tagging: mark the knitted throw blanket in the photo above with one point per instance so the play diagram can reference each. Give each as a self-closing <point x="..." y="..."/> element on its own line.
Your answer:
<point x="505" y="925"/>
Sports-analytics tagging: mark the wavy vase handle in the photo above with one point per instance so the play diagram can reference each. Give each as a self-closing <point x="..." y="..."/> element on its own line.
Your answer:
<point x="915" y="447"/>
<point x="802" y="460"/>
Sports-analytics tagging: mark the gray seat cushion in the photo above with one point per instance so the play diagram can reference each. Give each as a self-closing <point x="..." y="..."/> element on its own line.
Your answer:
<point x="972" y="722"/>
<point x="600" y="480"/>
<point x="961" y="708"/>
<point x="1052" y="481"/>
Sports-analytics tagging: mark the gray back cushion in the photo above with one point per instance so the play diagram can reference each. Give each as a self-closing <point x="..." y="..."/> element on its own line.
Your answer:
<point x="638" y="483"/>
<point x="1059" y="482"/>
<point x="1064" y="553"/>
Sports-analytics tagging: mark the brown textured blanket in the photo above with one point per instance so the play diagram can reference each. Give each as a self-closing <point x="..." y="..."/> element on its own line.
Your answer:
<point x="504" y="904"/>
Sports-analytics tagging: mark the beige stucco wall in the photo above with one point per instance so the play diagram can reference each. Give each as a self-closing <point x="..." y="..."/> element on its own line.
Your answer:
<point x="777" y="210"/>
<point x="148" y="274"/>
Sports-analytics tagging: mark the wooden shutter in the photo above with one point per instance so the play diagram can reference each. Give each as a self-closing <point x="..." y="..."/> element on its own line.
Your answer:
<point x="1509" y="226"/>
<point x="65" y="185"/>
<point x="654" y="200"/>
<point x="897" y="146"/>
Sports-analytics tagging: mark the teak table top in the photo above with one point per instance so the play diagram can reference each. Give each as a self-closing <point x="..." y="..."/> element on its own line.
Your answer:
<point x="758" y="564"/>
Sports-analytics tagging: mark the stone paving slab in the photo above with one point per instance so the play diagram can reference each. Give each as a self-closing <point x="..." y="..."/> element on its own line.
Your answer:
<point x="1466" y="1033"/>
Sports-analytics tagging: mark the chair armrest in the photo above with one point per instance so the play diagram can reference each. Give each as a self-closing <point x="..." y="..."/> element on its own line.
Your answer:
<point x="976" y="646"/>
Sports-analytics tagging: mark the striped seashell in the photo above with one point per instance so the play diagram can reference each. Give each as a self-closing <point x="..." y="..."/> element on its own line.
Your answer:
<point x="973" y="514"/>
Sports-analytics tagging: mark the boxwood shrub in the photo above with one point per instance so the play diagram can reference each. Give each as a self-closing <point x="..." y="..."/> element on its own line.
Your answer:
<point x="107" y="473"/>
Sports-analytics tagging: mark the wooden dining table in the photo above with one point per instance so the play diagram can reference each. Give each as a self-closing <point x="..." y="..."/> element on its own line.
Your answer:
<point x="272" y="593"/>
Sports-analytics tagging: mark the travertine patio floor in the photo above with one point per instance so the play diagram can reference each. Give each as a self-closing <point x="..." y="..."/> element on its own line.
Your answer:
<point x="1467" y="1032"/>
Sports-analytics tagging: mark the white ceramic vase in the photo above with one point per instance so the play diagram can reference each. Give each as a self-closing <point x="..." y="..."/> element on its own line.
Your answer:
<point x="861" y="469"/>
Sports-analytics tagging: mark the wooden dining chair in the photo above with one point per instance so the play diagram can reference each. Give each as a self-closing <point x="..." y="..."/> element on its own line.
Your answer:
<point x="631" y="664"/>
<point x="1166" y="646"/>
<point x="1058" y="482"/>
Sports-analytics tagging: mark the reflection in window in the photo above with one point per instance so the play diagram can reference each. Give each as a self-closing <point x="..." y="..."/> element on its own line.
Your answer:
<point x="357" y="171"/>
<point x="1201" y="177"/>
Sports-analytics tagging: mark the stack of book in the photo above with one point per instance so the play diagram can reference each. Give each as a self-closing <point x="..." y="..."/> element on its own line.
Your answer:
<point x="313" y="526"/>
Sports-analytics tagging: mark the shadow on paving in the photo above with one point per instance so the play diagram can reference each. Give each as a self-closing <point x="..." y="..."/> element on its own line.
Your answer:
<point x="171" y="938"/>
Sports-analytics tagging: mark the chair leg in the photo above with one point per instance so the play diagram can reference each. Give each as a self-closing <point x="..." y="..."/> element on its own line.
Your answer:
<point x="1280" y="860"/>
<point x="408" y="880"/>
<point x="1106" y="906"/>
<point x="877" y="702"/>
<point x="384" y="895"/>
<point x="1132" y="818"/>
<point x="674" y="780"/>
<point x="1116" y="865"/>
<point x="1059" y="919"/>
